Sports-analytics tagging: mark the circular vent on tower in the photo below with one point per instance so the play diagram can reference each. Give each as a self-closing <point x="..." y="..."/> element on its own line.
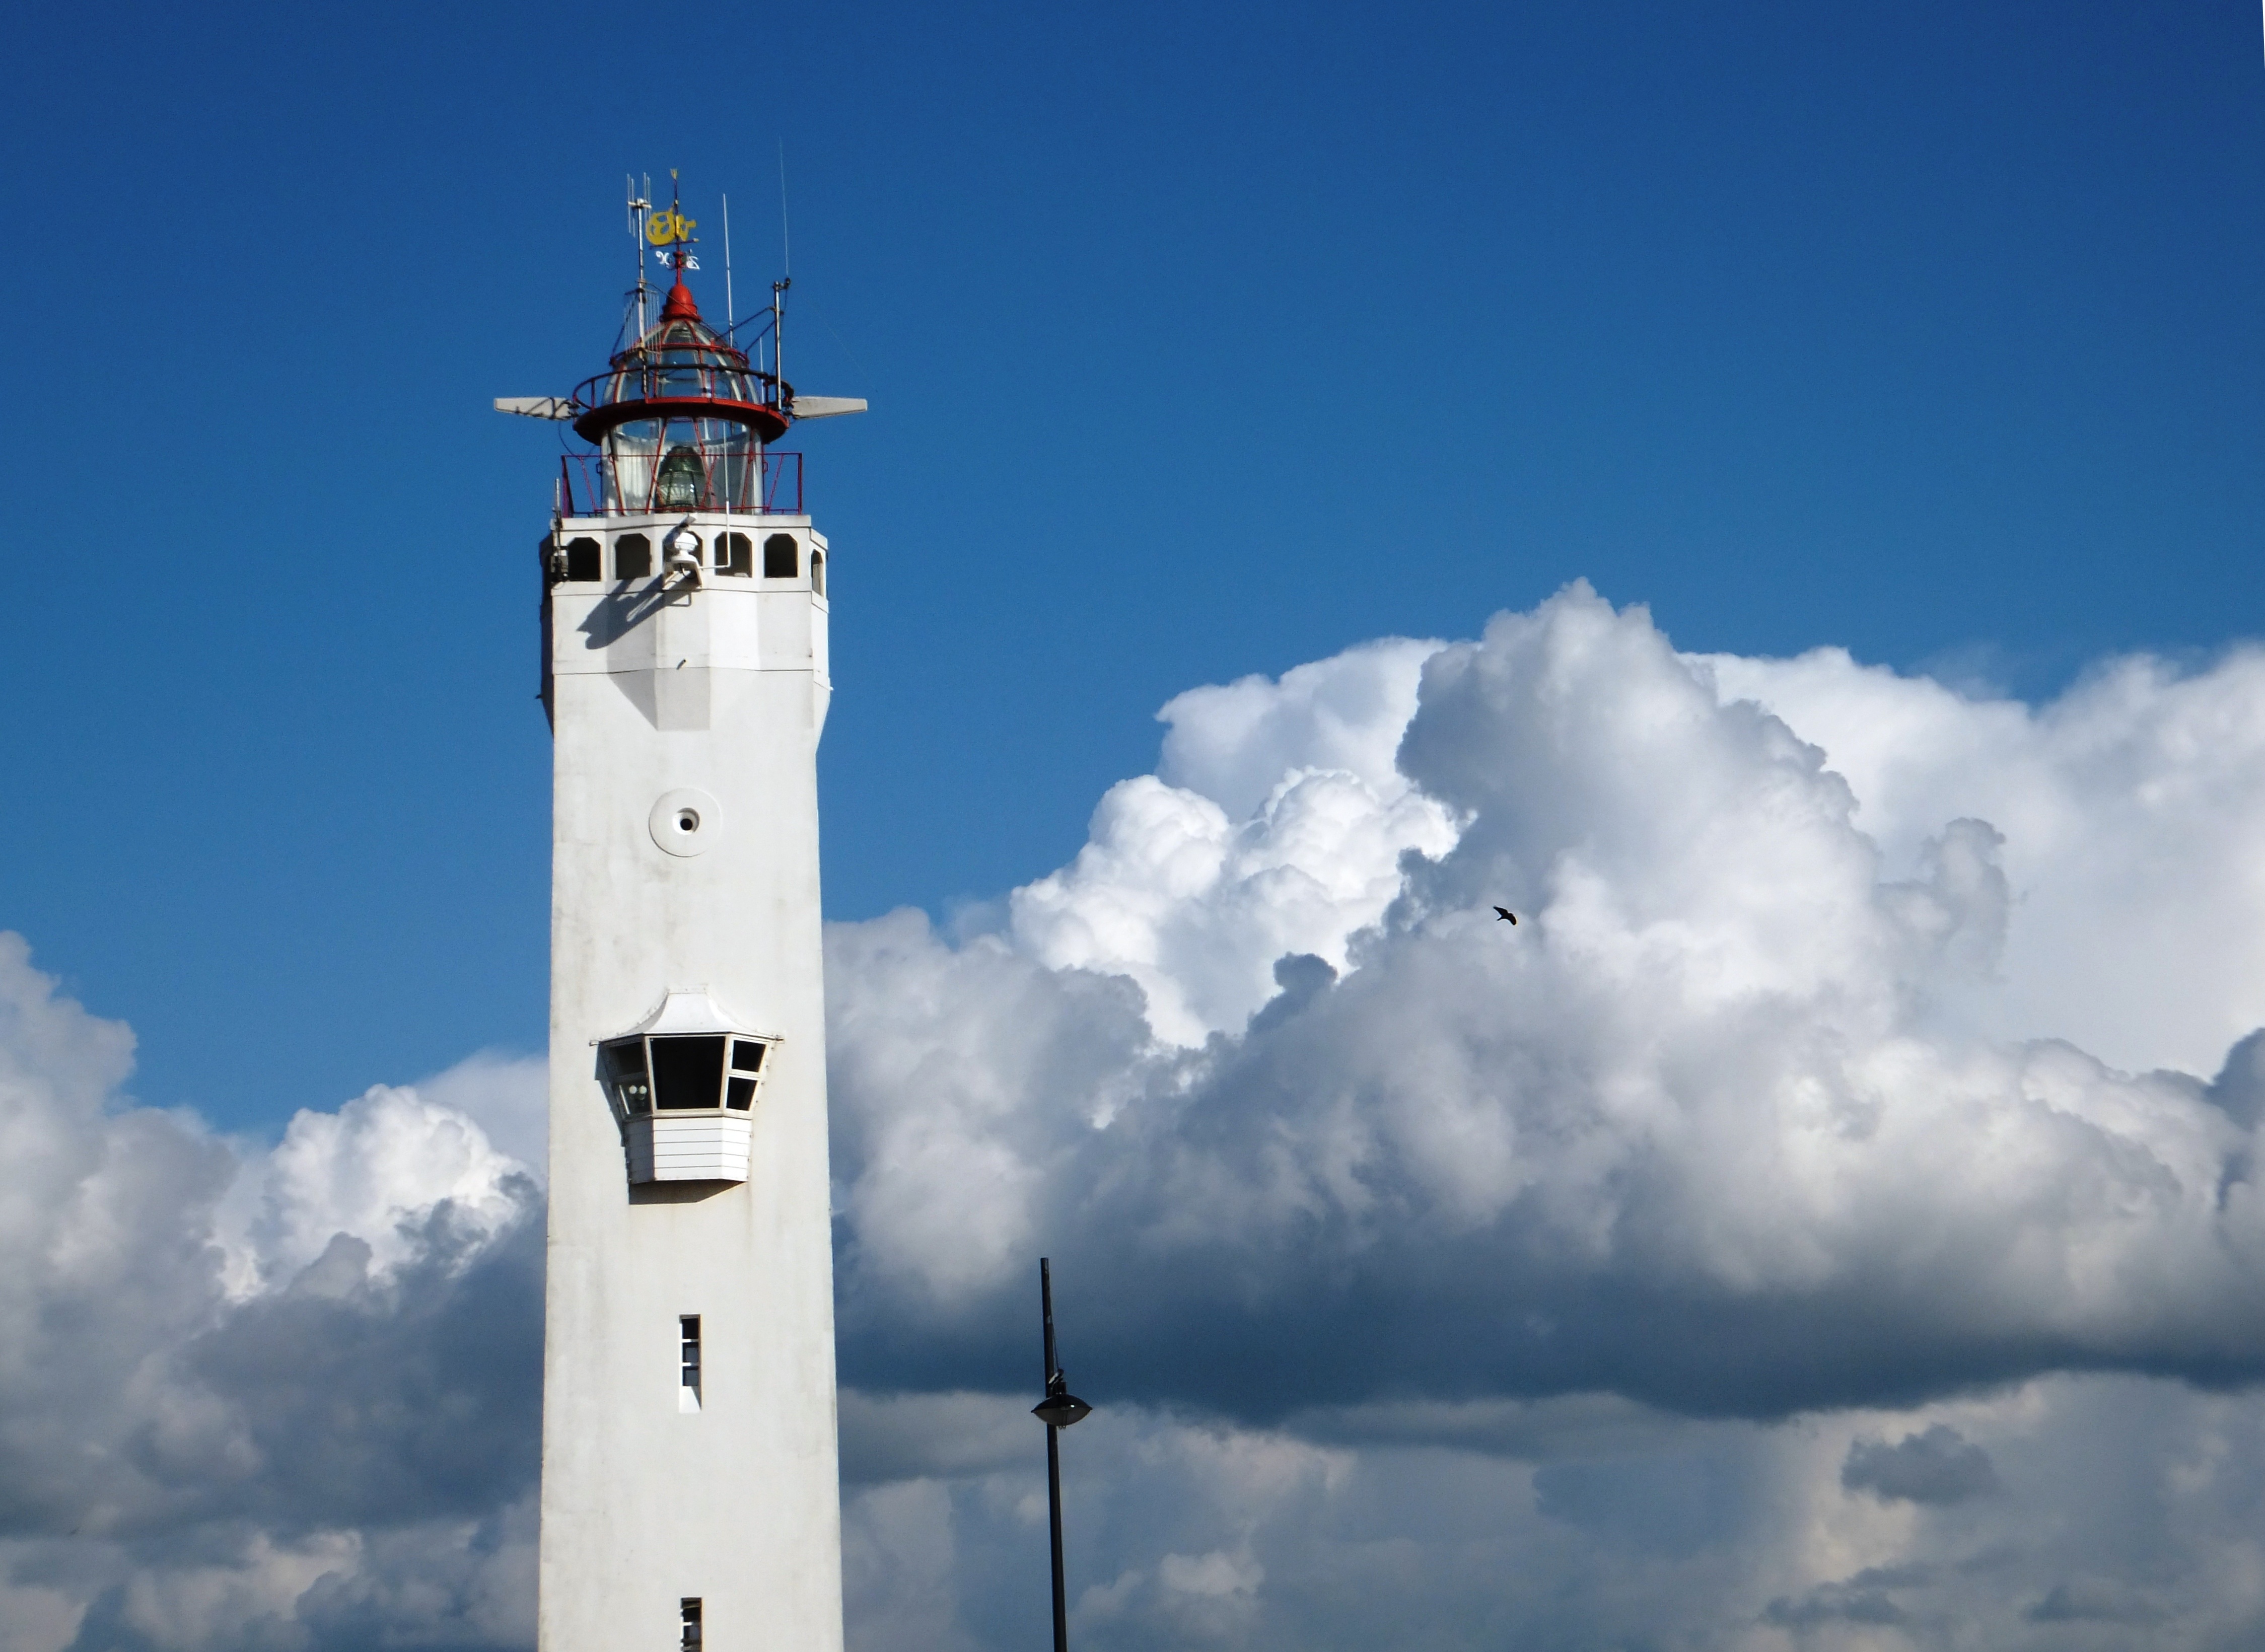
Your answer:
<point x="685" y="822"/>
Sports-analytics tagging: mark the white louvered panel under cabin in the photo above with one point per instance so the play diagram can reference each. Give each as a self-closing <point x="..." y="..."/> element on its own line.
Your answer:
<point x="700" y="1149"/>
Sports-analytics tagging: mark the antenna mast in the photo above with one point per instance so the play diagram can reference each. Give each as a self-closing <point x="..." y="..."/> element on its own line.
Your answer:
<point x="640" y="207"/>
<point x="786" y="246"/>
<point x="778" y="290"/>
<point x="728" y="318"/>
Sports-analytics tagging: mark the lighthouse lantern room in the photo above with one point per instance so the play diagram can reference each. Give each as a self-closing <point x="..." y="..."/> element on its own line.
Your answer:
<point x="691" y="1493"/>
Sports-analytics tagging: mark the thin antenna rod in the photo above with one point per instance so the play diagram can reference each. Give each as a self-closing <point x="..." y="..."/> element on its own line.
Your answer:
<point x="727" y="267"/>
<point x="640" y="205"/>
<point x="786" y="246"/>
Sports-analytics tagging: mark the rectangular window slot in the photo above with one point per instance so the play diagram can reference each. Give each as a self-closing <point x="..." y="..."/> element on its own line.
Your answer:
<point x="632" y="557"/>
<point x="689" y="1614"/>
<point x="688" y="1370"/>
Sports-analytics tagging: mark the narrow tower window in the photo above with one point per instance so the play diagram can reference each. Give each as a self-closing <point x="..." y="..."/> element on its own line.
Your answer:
<point x="736" y="554"/>
<point x="582" y="559"/>
<point x="633" y="558"/>
<point x="780" y="561"/>
<point x="688" y="1612"/>
<point x="817" y="571"/>
<point x="688" y="1365"/>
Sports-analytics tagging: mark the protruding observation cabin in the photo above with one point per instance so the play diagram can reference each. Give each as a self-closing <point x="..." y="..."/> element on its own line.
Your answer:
<point x="683" y="1082"/>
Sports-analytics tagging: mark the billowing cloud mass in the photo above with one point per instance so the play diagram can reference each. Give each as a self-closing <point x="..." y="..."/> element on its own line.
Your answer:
<point x="1273" y="827"/>
<point x="1730" y="1122"/>
<point x="1827" y="1219"/>
<point x="256" y="1398"/>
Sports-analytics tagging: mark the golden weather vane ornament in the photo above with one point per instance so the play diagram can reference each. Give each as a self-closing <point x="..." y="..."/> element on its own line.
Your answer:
<point x="670" y="231"/>
<point x="668" y="225"/>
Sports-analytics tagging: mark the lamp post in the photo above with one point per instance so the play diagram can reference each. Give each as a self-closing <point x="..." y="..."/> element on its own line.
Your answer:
<point x="1058" y="1410"/>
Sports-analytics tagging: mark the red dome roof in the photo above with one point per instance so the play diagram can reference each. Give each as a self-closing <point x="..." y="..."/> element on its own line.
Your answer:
<point x="681" y="369"/>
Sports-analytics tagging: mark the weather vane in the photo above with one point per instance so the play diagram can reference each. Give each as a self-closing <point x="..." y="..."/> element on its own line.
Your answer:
<point x="670" y="231"/>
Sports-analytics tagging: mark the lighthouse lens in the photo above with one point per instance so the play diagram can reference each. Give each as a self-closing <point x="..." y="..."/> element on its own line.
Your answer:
<point x="680" y="482"/>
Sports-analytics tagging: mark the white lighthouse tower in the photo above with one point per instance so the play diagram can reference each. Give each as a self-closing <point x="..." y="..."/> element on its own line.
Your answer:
<point x="690" y="1496"/>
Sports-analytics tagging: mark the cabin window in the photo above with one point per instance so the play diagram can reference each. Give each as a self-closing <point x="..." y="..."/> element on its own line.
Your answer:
<point x="687" y="1362"/>
<point x="689" y="1612"/>
<point x="633" y="558"/>
<point x="687" y="1071"/>
<point x="625" y="1071"/>
<point x="680" y="1073"/>
<point x="746" y="1065"/>
<point x="735" y="553"/>
<point x="583" y="560"/>
<point x="817" y="571"/>
<point x="780" y="561"/>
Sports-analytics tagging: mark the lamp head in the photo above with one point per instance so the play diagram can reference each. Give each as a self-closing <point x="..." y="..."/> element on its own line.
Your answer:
<point x="1059" y="1411"/>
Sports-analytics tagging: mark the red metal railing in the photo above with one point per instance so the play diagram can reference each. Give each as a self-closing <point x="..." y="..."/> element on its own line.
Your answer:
<point x="587" y="486"/>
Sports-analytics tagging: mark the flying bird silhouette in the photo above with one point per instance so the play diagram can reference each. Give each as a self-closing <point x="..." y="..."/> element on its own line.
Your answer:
<point x="1501" y="913"/>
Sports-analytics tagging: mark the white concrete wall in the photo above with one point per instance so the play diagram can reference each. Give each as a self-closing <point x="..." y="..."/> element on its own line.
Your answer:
<point x="645" y="1503"/>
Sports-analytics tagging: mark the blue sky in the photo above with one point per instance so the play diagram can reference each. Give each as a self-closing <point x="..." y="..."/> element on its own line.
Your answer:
<point x="1200" y="342"/>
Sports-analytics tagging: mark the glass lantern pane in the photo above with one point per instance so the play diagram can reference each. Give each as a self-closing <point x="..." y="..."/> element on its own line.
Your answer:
<point x="746" y="1055"/>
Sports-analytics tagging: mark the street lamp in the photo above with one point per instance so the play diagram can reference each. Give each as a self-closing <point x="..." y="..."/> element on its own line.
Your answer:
<point x="1058" y="1410"/>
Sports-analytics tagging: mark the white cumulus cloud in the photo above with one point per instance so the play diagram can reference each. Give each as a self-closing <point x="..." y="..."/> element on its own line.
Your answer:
<point x="275" y="1397"/>
<point x="1276" y="827"/>
<point x="1725" y="1122"/>
<point x="373" y="1170"/>
<point x="2127" y="807"/>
